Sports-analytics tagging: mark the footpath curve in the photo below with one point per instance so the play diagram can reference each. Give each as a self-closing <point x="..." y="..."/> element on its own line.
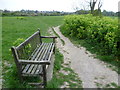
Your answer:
<point x="93" y="72"/>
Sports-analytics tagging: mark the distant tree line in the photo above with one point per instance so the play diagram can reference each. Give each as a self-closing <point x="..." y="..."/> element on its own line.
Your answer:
<point x="53" y="13"/>
<point x="88" y="6"/>
<point x="109" y="13"/>
<point x="104" y="13"/>
<point x="32" y="13"/>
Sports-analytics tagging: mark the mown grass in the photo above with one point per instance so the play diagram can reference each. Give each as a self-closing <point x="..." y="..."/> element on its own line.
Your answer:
<point x="21" y="27"/>
<point x="13" y="28"/>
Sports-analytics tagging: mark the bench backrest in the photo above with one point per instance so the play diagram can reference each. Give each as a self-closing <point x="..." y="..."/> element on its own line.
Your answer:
<point x="25" y="49"/>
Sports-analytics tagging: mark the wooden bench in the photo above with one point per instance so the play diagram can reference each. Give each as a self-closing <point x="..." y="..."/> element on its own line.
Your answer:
<point x="33" y="56"/>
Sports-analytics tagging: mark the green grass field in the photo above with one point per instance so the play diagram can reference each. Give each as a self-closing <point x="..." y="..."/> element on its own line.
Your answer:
<point x="21" y="27"/>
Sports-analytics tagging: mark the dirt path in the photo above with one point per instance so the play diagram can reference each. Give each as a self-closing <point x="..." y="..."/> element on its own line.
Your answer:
<point x="93" y="72"/>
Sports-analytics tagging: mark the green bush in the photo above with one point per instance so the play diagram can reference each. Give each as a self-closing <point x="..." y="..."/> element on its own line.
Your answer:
<point x="18" y="41"/>
<point x="98" y="31"/>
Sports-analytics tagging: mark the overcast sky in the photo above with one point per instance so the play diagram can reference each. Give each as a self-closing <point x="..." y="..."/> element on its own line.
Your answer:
<point x="49" y="5"/>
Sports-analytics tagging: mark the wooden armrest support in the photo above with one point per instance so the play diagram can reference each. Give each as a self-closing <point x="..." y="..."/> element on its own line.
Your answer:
<point x="34" y="62"/>
<point x="48" y="37"/>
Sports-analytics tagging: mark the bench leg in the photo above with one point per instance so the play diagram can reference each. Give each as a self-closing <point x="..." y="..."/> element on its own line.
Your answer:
<point x="21" y="78"/>
<point x="55" y="45"/>
<point x="54" y="50"/>
<point x="44" y="76"/>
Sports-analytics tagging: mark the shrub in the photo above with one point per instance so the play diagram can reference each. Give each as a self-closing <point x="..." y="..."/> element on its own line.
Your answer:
<point x="99" y="31"/>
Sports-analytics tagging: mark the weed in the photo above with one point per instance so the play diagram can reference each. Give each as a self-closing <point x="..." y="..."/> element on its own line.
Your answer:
<point x="58" y="36"/>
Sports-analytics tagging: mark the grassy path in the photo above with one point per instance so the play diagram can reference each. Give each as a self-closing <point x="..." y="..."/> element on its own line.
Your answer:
<point x="93" y="72"/>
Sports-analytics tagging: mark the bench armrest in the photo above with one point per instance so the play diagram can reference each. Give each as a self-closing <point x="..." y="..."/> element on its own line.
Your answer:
<point x="48" y="37"/>
<point x="34" y="62"/>
<point x="53" y="37"/>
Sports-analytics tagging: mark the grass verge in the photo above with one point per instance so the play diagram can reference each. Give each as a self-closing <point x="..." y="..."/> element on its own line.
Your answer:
<point x="58" y="36"/>
<point x="60" y="78"/>
<point x="64" y="76"/>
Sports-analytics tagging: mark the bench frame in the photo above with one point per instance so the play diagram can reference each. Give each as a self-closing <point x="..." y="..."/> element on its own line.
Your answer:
<point x="19" y="62"/>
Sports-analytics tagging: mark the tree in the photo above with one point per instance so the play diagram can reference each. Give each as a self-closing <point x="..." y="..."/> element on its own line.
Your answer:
<point x="92" y="5"/>
<point x="99" y="7"/>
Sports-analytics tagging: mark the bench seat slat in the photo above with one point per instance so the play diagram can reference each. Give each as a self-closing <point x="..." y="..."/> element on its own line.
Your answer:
<point x="40" y="49"/>
<point x="37" y="49"/>
<point x="26" y="67"/>
<point x="42" y="53"/>
<point x="50" y="52"/>
<point x="40" y="57"/>
<point x="43" y="58"/>
<point x="37" y="57"/>
<point x="35" y="68"/>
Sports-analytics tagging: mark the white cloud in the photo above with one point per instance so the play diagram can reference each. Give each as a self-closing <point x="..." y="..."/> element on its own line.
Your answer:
<point x="110" y="5"/>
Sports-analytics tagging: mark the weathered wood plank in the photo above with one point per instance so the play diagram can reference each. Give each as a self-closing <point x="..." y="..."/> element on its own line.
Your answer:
<point x="51" y="53"/>
<point x="34" y="62"/>
<point x="36" y="67"/>
<point x="48" y="37"/>
<point x="26" y="41"/>
<point x="42" y="57"/>
<point x="48" y="52"/>
<point x="37" y="84"/>
<point x="44" y="76"/>
<point x="33" y="58"/>
<point x="29" y="67"/>
<point x="14" y="51"/>
<point x="36" y="58"/>
<point x="23" y="67"/>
